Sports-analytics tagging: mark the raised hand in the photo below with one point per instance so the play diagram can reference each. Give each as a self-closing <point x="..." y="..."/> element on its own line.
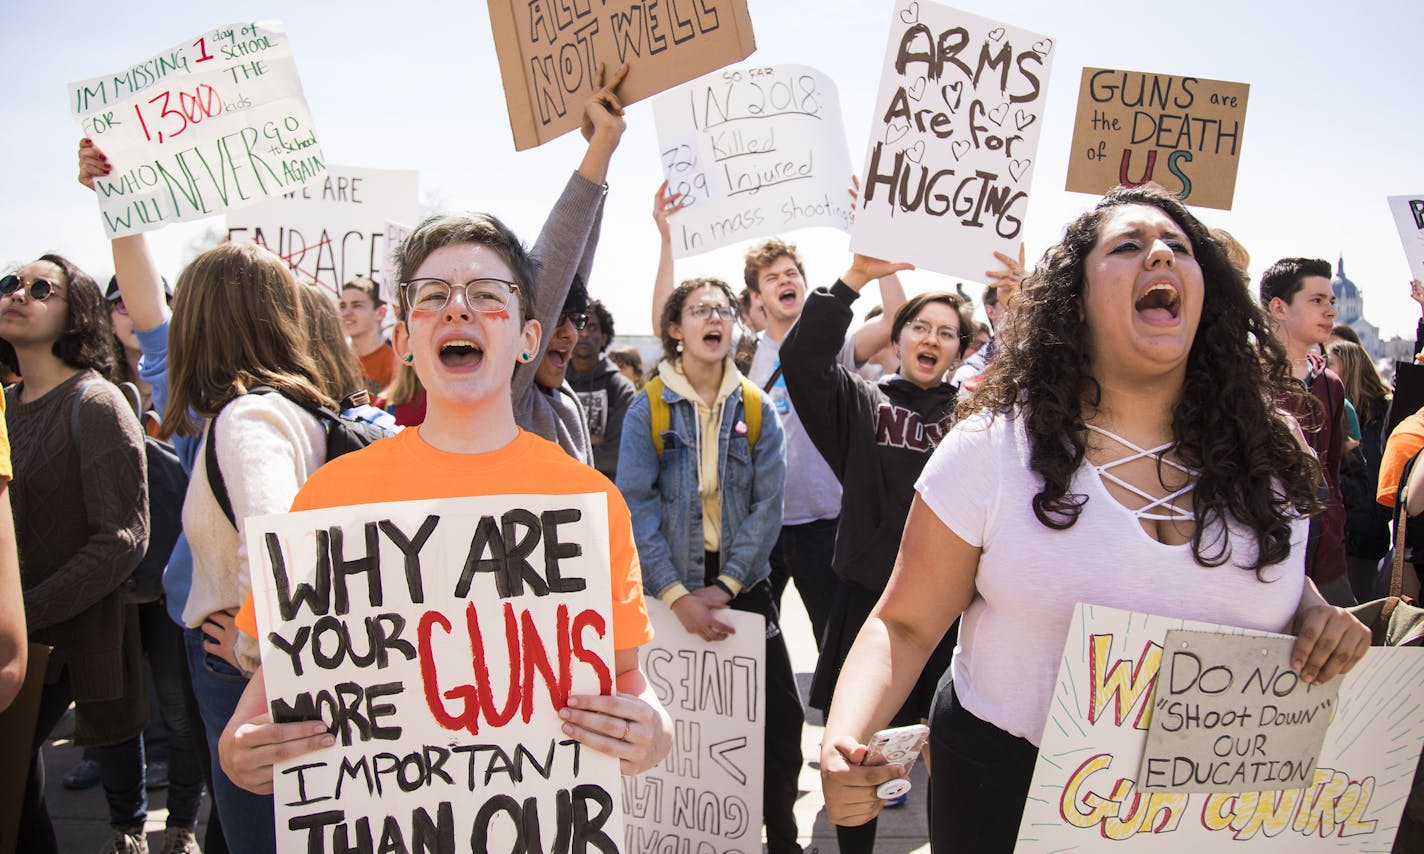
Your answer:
<point x="603" y="111"/>
<point x="92" y="163"/>
<point x="665" y="204"/>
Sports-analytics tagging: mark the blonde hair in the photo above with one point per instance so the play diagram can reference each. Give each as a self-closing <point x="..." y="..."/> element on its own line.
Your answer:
<point x="237" y="323"/>
<point x="338" y="372"/>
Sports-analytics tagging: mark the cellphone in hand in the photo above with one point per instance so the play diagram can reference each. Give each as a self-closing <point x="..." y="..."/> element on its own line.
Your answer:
<point x="896" y="746"/>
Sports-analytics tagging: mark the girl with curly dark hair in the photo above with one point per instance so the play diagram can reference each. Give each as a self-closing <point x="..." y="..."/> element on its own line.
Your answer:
<point x="1122" y="451"/>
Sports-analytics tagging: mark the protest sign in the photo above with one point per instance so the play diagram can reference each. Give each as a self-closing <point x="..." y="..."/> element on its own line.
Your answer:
<point x="953" y="140"/>
<point x="1181" y="132"/>
<point x="1231" y="714"/>
<point x="396" y="233"/>
<point x="1085" y="794"/>
<point x="1409" y="217"/>
<point x="706" y="796"/>
<point x="332" y="230"/>
<point x="211" y="124"/>
<point x="754" y="152"/>
<point x="439" y="639"/>
<point x="549" y="50"/>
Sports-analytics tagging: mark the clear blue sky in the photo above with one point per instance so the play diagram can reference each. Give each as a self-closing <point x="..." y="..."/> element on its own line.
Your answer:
<point x="1332" y="129"/>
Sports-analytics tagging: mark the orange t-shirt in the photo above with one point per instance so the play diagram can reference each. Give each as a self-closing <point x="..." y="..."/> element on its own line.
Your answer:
<point x="405" y="468"/>
<point x="379" y="368"/>
<point x="1406" y="441"/>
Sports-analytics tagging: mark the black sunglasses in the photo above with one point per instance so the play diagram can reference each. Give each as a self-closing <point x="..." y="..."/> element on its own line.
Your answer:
<point x="39" y="289"/>
<point x="578" y="319"/>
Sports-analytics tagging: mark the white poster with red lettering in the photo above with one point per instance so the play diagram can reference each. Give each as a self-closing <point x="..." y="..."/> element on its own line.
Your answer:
<point x="216" y="122"/>
<point x="439" y="640"/>
<point x="1117" y="676"/>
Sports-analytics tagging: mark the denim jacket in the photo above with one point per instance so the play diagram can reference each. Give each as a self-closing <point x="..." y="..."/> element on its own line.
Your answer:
<point x="663" y="494"/>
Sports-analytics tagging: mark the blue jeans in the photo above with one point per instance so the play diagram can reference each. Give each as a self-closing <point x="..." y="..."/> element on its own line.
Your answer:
<point x="247" y="820"/>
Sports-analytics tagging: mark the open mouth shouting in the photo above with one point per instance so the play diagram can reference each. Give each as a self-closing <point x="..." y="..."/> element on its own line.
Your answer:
<point x="1160" y="304"/>
<point x="787" y="296"/>
<point x="926" y="360"/>
<point x="461" y="353"/>
<point x="557" y="357"/>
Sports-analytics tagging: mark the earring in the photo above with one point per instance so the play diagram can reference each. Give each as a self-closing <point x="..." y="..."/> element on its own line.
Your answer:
<point x="408" y="358"/>
<point x="525" y="357"/>
<point x="679" y="346"/>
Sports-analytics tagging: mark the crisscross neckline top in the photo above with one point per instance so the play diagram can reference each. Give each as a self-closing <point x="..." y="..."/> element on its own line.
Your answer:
<point x="1167" y="503"/>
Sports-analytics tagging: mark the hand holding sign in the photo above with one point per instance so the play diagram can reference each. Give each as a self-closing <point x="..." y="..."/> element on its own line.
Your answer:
<point x="632" y="730"/>
<point x="1329" y="641"/>
<point x="603" y="111"/>
<point x="252" y="745"/>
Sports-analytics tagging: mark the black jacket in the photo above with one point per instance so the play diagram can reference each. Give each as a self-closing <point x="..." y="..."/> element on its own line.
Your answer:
<point x="604" y="394"/>
<point x="876" y="437"/>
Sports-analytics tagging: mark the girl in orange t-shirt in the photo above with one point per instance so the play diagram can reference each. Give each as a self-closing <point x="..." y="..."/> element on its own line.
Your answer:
<point x="465" y="285"/>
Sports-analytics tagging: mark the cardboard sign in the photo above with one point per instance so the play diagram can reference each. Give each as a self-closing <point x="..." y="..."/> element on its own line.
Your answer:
<point x="439" y="639"/>
<point x="953" y="140"/>
<point x="332" y="230"/>
<point x="754" y="152"/>
<point x="1409" y="217"/>
<point x="549" y="50"/>
<point x="1231" y="714"/>
<point x="217" y="122"/>
<point x="1181" y="132"/>
<point x="1085" y="795"/>
<point x="706" y="796"/>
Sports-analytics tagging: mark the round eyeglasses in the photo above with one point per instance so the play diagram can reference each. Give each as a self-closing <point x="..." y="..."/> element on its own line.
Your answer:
<point x="38" y="290"/>
<point x="486" y="296"/>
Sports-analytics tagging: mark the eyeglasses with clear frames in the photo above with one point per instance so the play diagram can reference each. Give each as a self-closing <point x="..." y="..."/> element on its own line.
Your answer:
<point x="486" y="296"/>
<point x="947" y="334"/>
<point x="703" y="310"/>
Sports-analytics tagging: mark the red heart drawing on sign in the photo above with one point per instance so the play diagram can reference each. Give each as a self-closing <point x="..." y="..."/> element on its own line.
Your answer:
<point x="997" y="114"/>
<point x="896" y="131"/>
<point x="1017" y="168"/>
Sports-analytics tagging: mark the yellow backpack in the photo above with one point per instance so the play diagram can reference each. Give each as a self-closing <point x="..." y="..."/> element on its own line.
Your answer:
<point x="660" y="419"/>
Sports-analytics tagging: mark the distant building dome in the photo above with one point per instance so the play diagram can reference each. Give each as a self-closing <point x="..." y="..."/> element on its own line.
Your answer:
<point x="1348" y="301"/>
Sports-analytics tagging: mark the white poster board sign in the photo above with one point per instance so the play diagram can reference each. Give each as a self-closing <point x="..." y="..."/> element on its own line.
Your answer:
<point x="216" y="122"/>
<point x="706" y="796"/>
<point x="1085" y="797"/>
<point x="1409" y="218"/>
<point x="389" y="280"/>
<point x="754" y="152"/>
<point x="953" y="140"/>
<point x="440" y="639"/>
<point x="332" y="230"/>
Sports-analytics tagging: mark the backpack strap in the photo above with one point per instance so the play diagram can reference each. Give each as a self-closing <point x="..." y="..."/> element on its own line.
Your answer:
<point x="751" y="410"/>
<point x="659" y="415"/>
<point x="210" y="457"/>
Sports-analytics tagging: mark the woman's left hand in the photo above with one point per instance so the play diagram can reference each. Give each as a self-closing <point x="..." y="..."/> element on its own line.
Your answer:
<point x="620" y="725"/>
<point x="1329" y="641"/>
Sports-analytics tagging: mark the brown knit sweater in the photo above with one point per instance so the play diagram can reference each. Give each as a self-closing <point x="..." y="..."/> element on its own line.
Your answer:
<point x="81" y="523"/>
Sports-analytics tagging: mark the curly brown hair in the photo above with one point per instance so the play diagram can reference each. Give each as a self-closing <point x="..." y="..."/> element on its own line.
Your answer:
<point x="672" y="311"/>
<point x="1225" y="424"/>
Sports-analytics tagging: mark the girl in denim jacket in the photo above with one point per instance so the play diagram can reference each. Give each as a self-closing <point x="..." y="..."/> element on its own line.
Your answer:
<point x="706" y="506"/>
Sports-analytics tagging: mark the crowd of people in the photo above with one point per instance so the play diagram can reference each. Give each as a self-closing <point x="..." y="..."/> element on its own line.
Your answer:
<point x="1137" y="425"/>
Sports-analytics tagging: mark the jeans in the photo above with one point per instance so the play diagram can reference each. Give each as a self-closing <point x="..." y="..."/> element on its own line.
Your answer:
<point x="803" y="554"/>
<point x="121" y="772"/>
<point x="163" y="645"/>
<point x="248" y="821"/>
